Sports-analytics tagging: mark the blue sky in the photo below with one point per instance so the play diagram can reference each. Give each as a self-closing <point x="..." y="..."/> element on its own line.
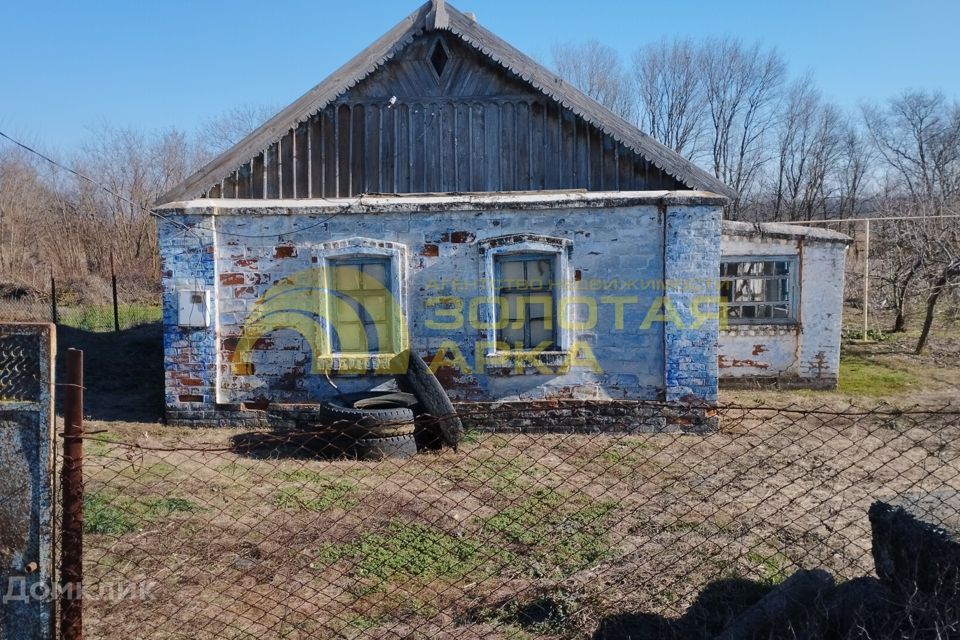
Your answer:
<point x="69" y="66"/>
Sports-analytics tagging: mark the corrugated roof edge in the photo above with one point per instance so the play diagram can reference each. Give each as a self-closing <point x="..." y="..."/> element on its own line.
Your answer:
<point x="501" y="52"/>
<point x="784" y="231"/>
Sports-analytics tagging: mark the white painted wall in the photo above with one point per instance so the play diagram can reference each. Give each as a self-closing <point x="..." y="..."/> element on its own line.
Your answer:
<point x="806" y="353"/>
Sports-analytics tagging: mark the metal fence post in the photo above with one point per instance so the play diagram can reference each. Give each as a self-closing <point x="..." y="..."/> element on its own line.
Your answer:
<point x="71" y="580"/>
<point x="116" y="306"/>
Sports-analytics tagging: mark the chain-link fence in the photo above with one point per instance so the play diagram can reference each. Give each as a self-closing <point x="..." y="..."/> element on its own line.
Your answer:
<point x="82" y="303"/>
<point x="523" y="532"/>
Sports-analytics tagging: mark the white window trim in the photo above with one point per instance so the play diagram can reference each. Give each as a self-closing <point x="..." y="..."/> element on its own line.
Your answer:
<point x="358" y="248"/>
<point x="525" y="244"/>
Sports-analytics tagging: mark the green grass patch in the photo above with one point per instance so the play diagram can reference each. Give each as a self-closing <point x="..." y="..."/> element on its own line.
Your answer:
<point x="118" y="516"/>
<point x="407" y="551"/>
<point x="99" y="318"/>
<point x="99" y="444"/>
<point x="500" y="473"/>
<point x="317" y="492"/>
<point x="625" y="451"/>
<point x="773" y="566"/>
<point x="862" y="376"/>
<point x="233" y="470"/>
<point x="159" y="470"/>
<point x="560" y="533"/>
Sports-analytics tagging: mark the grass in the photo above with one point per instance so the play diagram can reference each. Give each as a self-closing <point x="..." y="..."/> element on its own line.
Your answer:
<point x="500" y="473"/>
<point x="317" y="492"/>
<point x="560" y="533"/>
<point x="99" y="318"/>
<point x="99" y="445"/>
<point x="119" y="516"/>
<point x="774" y="567"/>
<point x="624" y="451"/>
<point x="863" y="376"/>
<point x="407" y="551"/>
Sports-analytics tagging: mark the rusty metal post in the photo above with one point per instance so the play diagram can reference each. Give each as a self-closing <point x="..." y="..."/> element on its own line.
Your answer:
<point x="116" y="306"/>
<point x="53" y="300"/>
<point x="71" y="574"/>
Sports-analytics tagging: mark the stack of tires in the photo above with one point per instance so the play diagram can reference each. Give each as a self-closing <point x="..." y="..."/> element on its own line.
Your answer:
<point x="379" y="424"/>
<point x="382" y="424"/>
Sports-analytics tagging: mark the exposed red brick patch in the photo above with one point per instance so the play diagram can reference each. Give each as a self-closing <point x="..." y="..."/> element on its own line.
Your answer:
<point x="243" y="292"/>
<point x="462" y="237"/>
<point x="191" y="382"/>
<point x="758" y="349"/>
<point x="247" y="263"/>
<point x="430" y="251"/>
<point x="191" y="399"/>
<point x="230" y="279"/>
<point x="285" y="252"/>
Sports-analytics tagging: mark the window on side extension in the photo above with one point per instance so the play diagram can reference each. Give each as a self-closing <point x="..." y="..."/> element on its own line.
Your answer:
<point x="759" y="290"/>
<point x="525" y="284"/>
<point x="361" y="306"/>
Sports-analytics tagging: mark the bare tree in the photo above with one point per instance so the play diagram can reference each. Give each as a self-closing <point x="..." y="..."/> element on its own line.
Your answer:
<point x="855" y="165"/>
<point x="596" y="69"/>
<point x="942" y="242"/>
<point x="25" y="197"/>
<point x="808" y="150"/>
<point x="670" y="88"/>
<point x="743" y="86"/>
<point x="225" y="130"/>
<point x="138" y="167"/>
<point x="918" y="135"/>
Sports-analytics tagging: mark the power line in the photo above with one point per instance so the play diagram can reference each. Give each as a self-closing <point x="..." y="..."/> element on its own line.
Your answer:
<point x="104" y="188"/>
<point x="99" y="185"/>
<point x="881" y="219"/>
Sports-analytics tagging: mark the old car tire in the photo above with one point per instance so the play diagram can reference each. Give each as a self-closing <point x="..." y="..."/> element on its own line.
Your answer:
<point x="370" y="415"/>
<point x="420" y="381"/>
<point x="373" y="449"/>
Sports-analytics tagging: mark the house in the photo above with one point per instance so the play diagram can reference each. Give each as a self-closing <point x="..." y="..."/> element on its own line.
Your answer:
<point x="782" y="286"/>
<point x="442" y="192"/>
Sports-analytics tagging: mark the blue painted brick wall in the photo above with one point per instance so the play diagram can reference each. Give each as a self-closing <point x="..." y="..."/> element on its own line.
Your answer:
<point x="645" y="246"/>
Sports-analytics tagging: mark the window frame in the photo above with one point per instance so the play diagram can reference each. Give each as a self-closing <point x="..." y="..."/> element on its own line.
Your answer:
<point x="502" y="291"/>
<point x="793" y="290"/>
<point x="518" y="244"/>
<point x="387" y="263"/>
<point x="326" y="257"/>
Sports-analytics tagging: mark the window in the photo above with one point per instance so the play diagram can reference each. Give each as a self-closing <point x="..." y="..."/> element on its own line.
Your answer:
<point x="759" y="290"/>
<point x="361" y="304"/>
<point x="525" y="284"/>
<point x="439" y="58"/>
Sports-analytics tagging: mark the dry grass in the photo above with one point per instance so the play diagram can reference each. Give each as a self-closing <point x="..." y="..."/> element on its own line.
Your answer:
<point x="514" y="537"/>
<point x="447" y="545"/>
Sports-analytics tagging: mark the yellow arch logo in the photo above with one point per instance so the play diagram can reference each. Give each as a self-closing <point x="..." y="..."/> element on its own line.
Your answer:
<point x="346" y="312"/>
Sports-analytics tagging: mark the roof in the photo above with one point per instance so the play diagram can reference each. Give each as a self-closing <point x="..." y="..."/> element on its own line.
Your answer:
<point x="438" y="15"/>
<point x="782" y="231"/>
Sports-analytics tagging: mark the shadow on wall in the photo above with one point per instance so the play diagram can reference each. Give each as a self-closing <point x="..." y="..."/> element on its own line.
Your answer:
<point x="123" y="372"/>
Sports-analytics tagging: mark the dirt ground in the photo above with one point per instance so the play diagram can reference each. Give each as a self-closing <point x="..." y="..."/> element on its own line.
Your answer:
<point x="240" y="535"/>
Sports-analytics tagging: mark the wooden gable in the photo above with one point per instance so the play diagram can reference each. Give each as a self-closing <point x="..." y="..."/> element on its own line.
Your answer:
<point x="442" y="108"/>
